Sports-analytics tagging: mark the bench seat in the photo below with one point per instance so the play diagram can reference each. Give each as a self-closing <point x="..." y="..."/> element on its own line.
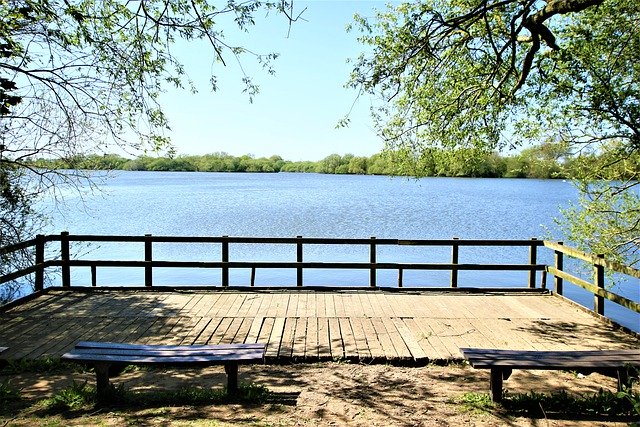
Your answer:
<point x="105" y="356"/>
<point x="614" y="363"/>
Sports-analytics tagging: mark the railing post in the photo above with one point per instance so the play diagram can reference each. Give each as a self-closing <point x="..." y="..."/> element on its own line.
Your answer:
<point x="94" y="276"/>
<point x="225" y="259"/>
<point x="372" y="260"/>
<point x="598" y="301"/>
<point x="253" y="276"/>
<point x="64" y="255"/>
<point x="39" y="278"/>
<point x="148" y="258"/>
<point x="559" y="264"/>
<point x="400" y="273"/>
<point x="455" y="252"/>
<point x="299" y="258"/>
<point x="533" y="260"/>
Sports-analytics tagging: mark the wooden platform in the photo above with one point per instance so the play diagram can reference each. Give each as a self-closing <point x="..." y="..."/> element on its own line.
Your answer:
<point x="413" y="327"/>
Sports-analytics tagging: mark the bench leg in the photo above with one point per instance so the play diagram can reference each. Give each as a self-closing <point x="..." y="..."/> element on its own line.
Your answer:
<point x="496" y="384"/>
<point x="623" y="379"/>
<point x="231" y="369"/>
<point x="102" y="381"/>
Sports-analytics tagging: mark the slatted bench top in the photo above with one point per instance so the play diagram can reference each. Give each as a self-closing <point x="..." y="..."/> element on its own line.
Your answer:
<point x="89" y="351"/>
<point x="501" y="362"/>
<point x="527" y="359"/>
<point x="106" y="355"/>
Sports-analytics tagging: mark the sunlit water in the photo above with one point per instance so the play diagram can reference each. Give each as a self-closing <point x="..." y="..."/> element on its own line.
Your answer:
<point x="312" y="205"/>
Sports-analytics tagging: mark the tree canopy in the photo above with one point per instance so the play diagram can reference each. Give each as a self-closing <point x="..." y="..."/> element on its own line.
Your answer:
<point x="80" y="76"/>
<point x="492" y="74"/>
<point x="78" y="72"/>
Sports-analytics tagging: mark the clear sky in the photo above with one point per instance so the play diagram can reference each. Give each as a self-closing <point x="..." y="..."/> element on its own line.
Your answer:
<point x="296" y="112"/>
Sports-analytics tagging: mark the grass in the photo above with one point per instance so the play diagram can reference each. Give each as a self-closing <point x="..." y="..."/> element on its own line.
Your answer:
<point x="600" y="404"/>
<point x="625" y="404"/>
<point x="76" y="405"/>
<point x="477" y="402"/>
<point x="73" y="397"/>
<point x="8" y="393"/>
<point x="43" y="365"/>
<point x="82" y="396"/>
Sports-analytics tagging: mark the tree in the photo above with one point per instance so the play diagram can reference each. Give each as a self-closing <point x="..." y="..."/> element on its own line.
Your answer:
<point x="544" y="161"/>
<point x="18" y="222"/>
<point x="491" y="74"/>
<point x="329" y="164"/>
<point x="80" y="76"/>
<point x="357" y="165"/>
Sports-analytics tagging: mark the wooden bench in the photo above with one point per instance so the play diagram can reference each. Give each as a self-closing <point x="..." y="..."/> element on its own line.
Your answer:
<point x="613" y="363"/>
<point x="105" y="356"/>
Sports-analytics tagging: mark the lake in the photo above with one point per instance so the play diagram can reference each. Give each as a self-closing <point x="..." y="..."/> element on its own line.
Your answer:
<point x="314" y="205"/>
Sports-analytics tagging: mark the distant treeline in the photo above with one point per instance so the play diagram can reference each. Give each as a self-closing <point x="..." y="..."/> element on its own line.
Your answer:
<point x="544" y="161"/>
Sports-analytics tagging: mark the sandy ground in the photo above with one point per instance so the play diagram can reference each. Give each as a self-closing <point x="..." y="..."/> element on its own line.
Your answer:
<point x="323" y="394"/>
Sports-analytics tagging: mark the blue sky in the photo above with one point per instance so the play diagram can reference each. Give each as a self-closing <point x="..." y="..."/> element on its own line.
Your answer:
<point x="297" y="109"/>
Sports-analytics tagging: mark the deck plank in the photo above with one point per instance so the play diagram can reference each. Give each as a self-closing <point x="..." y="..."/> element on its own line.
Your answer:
<point x="348" y="338"/>
<point x="381" y="332"/>
<point x="254" y="330"/>
<point x="243" y="331"/>
<point x="427" y="326"/>
<point x="208" y="300"/>
<point x="421" y="338"/>
<point x="197" y="327"/>
<point x="233" y="330"/>
<point x="360" y="336"/>
<point x="409" y="339"/>
<point x="220" y="331"/>
<point x="321" y="305"/>
<point x="281" y="305"/>
<point x="373" y="342"/>
<point x="179" y="331"/>
<point x="330" y="305"/>
<point x="324" y="345"/>
<point x="60" y="328"/>
<point x="335" y="338"/>
<point x="221" y="306"/>
<point x="161" y="331"/>
<point x="208" y="330"/>
<point x="288" y="336"/>
<point x="65" y="339"/>
<point x="311" y="343"/>
<point x="300" y="338"/>
<point x="399" y="345"/>
<point x="265" y="330"/>
<point x="275" y="338"/>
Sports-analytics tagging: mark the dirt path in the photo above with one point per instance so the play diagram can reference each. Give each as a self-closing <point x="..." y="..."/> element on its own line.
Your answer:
<point x="327" y="394"/>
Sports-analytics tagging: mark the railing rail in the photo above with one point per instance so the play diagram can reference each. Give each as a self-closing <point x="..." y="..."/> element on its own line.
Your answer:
<point x="148" y="263"/>
<point x="597" y="288"/>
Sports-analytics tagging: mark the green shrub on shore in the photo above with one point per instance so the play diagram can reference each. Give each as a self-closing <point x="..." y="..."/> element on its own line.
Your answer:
<point x="546" y="161"/>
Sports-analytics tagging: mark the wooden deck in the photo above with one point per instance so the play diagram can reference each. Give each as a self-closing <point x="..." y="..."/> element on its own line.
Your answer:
<point x="407" y="326"/>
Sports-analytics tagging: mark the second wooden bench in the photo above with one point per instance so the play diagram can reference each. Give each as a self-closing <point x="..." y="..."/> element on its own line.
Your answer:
<point x="104" y="356"/>
<point x="613" y="363"/>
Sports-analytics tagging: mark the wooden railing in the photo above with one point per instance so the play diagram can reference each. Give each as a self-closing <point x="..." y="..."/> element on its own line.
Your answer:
<point x="597" y="288"/>
<point x="224" y="264"/>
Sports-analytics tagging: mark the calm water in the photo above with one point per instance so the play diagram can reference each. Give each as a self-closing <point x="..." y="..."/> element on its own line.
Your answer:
<point x="311" y="205"/>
